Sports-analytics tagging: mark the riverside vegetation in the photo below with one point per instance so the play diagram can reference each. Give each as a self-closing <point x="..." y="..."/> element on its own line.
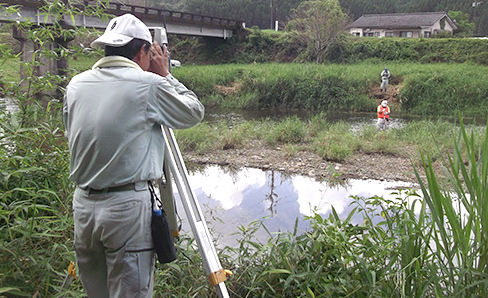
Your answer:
<point x="427" y="243"/>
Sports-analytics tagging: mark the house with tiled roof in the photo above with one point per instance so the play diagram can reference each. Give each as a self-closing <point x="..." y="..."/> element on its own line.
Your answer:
<point x="414" y="25"/>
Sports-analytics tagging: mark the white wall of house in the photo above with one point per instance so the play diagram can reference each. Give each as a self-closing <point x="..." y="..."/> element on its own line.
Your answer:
<point x="356" y="31"/>
<point x="412" y="33"/>
<point x="424" y="32"/>
<point x="367" y="32"/>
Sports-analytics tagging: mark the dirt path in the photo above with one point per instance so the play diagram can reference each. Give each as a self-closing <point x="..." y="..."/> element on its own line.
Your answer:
<point x="392" y="95"/>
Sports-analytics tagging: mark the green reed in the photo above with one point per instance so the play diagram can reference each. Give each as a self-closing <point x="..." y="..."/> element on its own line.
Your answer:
<point x="461" y="217"/>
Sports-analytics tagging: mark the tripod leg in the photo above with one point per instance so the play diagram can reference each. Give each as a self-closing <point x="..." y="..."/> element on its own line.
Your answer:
<point x="213" y="268"/>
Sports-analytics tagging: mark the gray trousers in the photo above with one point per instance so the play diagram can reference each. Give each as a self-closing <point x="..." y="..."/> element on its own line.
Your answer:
<point x="382" y="124"/>
<point x="113" y="242"/>
<point x="384" y="84"/>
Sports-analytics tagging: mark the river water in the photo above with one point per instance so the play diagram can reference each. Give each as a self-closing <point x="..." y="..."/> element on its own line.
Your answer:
<point x="356" y="120"/>
<point x="239" y="197"/>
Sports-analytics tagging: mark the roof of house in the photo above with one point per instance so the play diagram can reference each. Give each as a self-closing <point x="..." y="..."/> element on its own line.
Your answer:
<point x="400" y="20"/>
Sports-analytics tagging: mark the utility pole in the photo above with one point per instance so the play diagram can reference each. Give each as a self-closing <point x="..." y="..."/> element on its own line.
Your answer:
<point x="475" y="5"/>
<point x="276" y="14"/>
<point x="271" y="14"/>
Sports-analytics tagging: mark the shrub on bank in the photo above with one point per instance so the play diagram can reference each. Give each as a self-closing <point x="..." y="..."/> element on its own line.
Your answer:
<point x="436" y="91"/>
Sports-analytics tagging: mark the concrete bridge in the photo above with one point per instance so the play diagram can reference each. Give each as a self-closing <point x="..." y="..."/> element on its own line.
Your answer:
<point x="179" y="23"/>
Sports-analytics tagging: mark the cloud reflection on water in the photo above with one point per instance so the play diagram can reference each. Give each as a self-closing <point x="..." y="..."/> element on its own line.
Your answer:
<point x="249" y="194"/>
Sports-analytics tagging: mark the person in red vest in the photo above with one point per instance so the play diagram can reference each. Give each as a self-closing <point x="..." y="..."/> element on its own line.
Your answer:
<point x="383" y="112"/>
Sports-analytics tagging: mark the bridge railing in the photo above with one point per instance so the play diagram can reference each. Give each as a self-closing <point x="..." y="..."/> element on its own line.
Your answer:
<point x="174" y="16"/>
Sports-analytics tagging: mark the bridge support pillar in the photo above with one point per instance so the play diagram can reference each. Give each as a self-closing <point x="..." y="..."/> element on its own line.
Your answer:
<point x="45" y="63"/>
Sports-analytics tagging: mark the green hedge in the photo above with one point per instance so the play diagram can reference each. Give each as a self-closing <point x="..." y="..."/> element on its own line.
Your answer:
<point x="431" y="50"/>
<point x="260" y="46"/>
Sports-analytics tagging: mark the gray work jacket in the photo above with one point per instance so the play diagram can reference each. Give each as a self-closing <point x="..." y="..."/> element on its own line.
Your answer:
<point x="112" y="115"/>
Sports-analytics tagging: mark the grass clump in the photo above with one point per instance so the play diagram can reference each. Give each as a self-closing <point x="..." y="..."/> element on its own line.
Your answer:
<point x="236" y="135"/>
<point x="291" y="131"/>
<point x="199" y="138"/>
<point x="336" y="143"/>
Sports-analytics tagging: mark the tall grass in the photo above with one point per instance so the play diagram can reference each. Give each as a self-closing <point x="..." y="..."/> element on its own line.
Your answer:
<point x="35" y="217"/>
<point x="426" y="89"/>
<point x="460" y="218"/>
<point x="306" y="86"/>
<point x="433" y="91"/>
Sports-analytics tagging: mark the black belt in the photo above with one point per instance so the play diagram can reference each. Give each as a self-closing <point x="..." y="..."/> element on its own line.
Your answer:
<point x="125" y="187"/>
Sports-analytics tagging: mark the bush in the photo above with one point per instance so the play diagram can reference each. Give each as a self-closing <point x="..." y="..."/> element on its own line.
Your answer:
<point x="291" y="130"/>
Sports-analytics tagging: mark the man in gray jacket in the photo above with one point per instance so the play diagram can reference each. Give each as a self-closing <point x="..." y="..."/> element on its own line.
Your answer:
<point x="385" y="77"/>
<point x="113" y="115"/>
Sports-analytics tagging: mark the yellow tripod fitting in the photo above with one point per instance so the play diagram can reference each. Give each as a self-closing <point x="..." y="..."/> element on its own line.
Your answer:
<point x="219" y="276"/>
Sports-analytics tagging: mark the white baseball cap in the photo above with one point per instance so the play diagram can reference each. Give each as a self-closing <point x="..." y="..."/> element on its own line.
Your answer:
<point x="121" y="30"/>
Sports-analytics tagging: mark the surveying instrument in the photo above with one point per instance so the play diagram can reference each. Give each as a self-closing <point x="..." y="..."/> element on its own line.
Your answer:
<point x="174" y="169"/>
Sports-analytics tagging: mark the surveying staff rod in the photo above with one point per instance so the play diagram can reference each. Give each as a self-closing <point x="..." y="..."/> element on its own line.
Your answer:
<point x="211" y="262"/>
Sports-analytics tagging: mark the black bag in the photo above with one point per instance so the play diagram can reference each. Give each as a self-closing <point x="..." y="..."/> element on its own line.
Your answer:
<point x="161" y="232"/>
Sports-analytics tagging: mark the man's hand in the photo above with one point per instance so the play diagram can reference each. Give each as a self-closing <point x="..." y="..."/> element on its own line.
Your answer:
<point x="159" y="63"/>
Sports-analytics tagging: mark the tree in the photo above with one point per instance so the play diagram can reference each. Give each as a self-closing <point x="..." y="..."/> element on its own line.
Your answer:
<point x="465" y="28"/>
<point x="356" y="8"/>
<point x="315" y="26"/>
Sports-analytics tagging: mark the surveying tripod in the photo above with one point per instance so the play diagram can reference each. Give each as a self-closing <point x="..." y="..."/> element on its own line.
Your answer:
<point x="174" y="161"/>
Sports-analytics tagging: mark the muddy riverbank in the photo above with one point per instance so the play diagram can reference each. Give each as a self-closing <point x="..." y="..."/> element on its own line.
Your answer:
<point x="358" y="166"/>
